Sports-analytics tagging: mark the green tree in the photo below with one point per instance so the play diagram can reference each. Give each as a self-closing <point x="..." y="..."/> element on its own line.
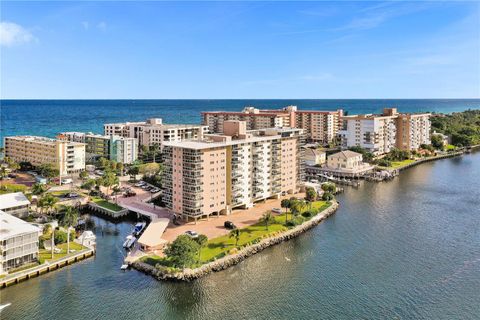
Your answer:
<point x="235" y="233"/>
<point x="329" y="187"/>
<point x="38" y="189"/>
<point x="103" y="162"/>
<point x="89" y="184"/>
<point x="297" y="207"/>
<point x="133" y="171"/>
<point x="182" y="251"/>
<point x="70" y="216"/>
<point x="155" y="150"/>
<point x="48" y="170"/>
<point x="327" y="196"/>
<point x="285" y="203"/>
<point x="267" y="219"/>
<point x="310" y="194"/>
<point x="202" y="241"/>
<point x="109" y="180"/>
<point x="48" y="201"/>
<point x="120" y="168"/>
<point x="83" y="175"/>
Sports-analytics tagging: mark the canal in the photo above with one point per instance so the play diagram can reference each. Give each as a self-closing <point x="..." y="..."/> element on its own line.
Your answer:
<point x="405" y="249"/>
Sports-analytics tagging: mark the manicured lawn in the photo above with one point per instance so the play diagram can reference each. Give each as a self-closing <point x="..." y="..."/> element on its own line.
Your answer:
<point x="106" y="204"/>
<point x="7" y="187"/>
<point x="398" y="164"/>
<point x="449" y="147"/>
<point x="46" y="255"/>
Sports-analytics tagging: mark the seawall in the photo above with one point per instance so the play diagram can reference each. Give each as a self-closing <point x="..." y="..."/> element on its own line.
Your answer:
<point x="231" y="260"/>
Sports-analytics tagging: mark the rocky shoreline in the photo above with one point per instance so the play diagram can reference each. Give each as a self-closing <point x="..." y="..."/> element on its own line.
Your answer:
<point x="233" y="259"/>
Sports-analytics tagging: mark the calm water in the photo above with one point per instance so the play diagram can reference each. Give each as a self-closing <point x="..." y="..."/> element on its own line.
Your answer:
<point x="406" y="249"/>
<point x="49" y="117"/>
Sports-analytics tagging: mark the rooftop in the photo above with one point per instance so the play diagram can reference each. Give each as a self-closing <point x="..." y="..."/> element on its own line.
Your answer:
<point x="11" y="226"/>
<point x="346" y="154"/>
<point x="10" y="200"/>
<point x="41" y="139"/>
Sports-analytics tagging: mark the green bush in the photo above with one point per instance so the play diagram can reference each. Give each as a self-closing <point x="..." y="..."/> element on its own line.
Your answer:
<point x="308" y="213"/>
<point x="327" y="196"/>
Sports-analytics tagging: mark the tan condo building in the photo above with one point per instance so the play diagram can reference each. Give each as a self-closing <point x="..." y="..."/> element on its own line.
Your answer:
<point x="381" y="133"/>
<point x="234" y="169"/>
<point x="318" y="126"/>
<point x="154" y="132"/>
<point x="68" y="157"/>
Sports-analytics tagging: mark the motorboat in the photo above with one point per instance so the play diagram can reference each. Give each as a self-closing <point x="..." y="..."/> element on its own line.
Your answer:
<point x="139" y="228"/>
<point x="129" y="241"/>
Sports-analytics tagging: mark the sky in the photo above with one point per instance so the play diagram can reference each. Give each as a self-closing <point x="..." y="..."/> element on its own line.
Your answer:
<point x="222" y="50"/>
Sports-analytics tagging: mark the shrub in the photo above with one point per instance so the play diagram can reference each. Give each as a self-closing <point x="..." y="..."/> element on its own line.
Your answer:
<point x="308" y="214"/>
<point x="327" y="196"/>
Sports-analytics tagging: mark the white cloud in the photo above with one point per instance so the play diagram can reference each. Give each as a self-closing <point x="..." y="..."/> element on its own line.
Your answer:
<point x="102" y="26"/>
<point x="12" y="34"/>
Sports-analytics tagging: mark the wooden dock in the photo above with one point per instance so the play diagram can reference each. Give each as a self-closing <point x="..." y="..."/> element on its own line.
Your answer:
<point x="20" y="276"/>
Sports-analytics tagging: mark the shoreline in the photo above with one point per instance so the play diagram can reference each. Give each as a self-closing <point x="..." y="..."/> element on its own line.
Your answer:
<point x="228" y="261"/>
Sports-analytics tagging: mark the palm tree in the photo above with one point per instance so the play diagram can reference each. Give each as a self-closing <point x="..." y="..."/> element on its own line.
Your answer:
<point x="285" y="204"/>
<point x="70" y="216"/>
<point x="267" y="218"/>
<point x="202" y="242"/>
<point x="49" y="202"/>
<point x="38" y="189"/>
<point x="235" y="233"/>
<point x="154" y="151"/>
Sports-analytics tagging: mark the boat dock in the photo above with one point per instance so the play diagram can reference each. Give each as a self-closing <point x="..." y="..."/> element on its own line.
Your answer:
<point x="20" y="276"/>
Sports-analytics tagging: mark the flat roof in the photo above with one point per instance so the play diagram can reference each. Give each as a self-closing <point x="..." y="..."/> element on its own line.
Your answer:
<point x="152" y="236"/>
<point x="42" y="140"/>
<point x="11" y="226"/>
<point x="207" y="144"/>
<point x="10" y="200"/>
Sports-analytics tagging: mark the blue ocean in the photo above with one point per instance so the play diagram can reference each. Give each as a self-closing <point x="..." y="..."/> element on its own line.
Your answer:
<point x="49" y="117"/>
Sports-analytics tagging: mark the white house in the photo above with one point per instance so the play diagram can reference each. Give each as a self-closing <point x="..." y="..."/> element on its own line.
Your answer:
<point x="313" y="157"/>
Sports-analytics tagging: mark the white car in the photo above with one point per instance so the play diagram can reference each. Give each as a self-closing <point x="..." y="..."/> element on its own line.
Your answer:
<point x="67" y="181"/>
<point x="191" y="234"/>
<point x="277" y="210"/>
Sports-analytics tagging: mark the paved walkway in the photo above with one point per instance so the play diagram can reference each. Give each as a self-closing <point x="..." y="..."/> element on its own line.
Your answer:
<point x="214" y="226"/>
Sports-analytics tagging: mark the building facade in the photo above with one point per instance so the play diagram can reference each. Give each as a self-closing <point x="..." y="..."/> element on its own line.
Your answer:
<point x="234" y="169"/>
<point x="154" y="132"/>
<point x="18" y="242"/>
<point x="67" y="156"/>
<point x="318" y="126"/>
<point x="119" y="149"/>
<point x="379" y="134"/>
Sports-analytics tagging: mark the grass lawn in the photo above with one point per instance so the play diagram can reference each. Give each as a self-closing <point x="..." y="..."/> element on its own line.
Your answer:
<point x="449" y="147"/>
<point x="7" y="187"/>
<point x="106" y="204"/>
<point x="46" y="255"/>
<point x="398" y="164"/>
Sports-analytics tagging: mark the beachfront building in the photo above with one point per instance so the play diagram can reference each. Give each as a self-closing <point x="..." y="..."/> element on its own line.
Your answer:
<point x="318" y="126"/>
<point x="154" y="132"/>
<point x="15" y="204"/>
<point x="381" y="133"/>
<point x="119" y="149"/>
<point x="312" y="157"/>
<point x="67" y="156"/>
<point x="230" y="170"/>
<point x="18" y="242"/>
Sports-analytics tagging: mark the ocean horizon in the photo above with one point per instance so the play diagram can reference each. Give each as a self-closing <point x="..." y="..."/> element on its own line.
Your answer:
<point x="49" y="117"/>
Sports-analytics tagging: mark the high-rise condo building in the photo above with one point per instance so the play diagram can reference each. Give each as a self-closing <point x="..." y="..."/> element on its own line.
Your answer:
<point x="67" y="156"/>
<point x="229" y="170"/>
<point x="318" y="126"/>
<point x="154" y="132"/>
<point x="381" y="133"/>
<point x="119" y="149"/>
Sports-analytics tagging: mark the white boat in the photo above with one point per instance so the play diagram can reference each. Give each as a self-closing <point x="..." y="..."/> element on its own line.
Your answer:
<point x="139" y="228"/>
<point x="124" y="267"/>
<point x="129" y="241"/>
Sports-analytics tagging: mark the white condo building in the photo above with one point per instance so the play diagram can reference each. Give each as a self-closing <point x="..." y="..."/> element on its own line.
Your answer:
<point x="18" y="242"/>
<point x="153" y="131"/>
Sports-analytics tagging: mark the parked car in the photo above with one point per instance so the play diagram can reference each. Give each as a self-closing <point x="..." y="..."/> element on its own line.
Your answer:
<point x="129" y="193"/>
<point x="67" y="181"/>
<point x="229" y="225"/>
<point x="191" y="234"/>
<point x="277" y="210"/>
<point x="140" y="184"/>
<point x="73" y="195"/>
<point x="146" y="187"/>
<point x="99" y="172"/>
<point x="154" y="190"/>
